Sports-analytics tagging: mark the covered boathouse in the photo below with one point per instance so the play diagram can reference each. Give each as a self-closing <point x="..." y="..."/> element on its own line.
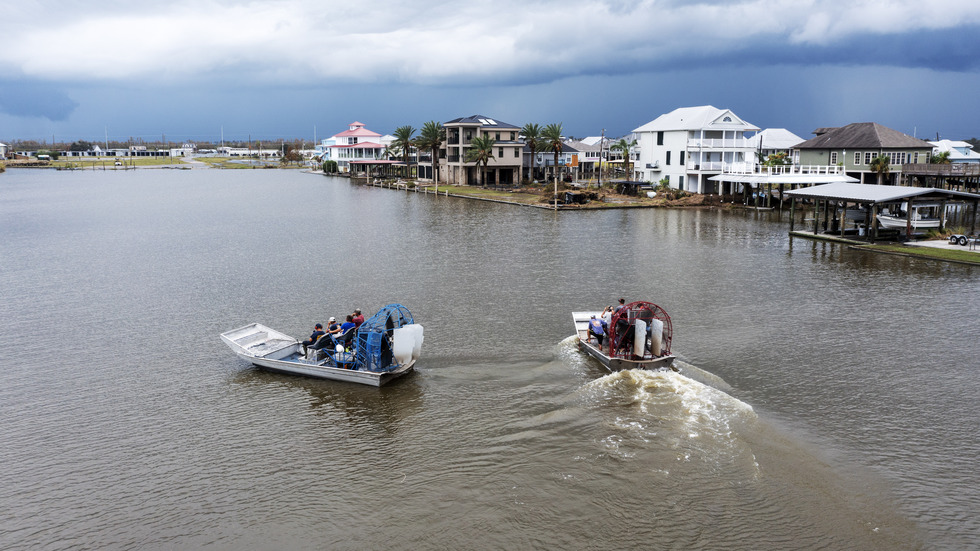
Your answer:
<point x="832" y="201"/>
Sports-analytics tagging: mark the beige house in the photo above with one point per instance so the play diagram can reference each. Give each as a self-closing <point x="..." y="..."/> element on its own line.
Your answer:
<point x="503" y="169"/>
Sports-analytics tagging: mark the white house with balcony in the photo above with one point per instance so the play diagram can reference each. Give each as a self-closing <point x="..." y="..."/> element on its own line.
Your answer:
<point x="357" y="143"/>
<point x="691" y="144"/>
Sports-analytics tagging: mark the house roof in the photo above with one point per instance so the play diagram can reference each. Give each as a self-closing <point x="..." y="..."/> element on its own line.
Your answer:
<point x="357" y="129"/>
<point x="775" y="138"/>
<point x="958" y="150"/>
<point x="583" y="145"/>
<point x="565" y="148"/>
<point x="864" y="135"/>
<point x="704" y="117"/>
<point x="482" y="120"/>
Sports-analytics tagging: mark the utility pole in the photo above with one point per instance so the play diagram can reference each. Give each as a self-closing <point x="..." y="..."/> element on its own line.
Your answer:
<point x="602" y="142"/>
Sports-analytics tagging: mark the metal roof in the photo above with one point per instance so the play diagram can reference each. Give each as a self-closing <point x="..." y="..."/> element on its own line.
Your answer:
<point x="872" y="193"/>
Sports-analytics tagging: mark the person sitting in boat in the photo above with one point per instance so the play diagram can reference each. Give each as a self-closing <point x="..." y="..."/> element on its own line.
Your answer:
<point x="333" y="328"/>
<point x="358" y="317"/>
<point x="597" y="329"/>
<point x="340" y="336"/>
<point x="317" y="333"/>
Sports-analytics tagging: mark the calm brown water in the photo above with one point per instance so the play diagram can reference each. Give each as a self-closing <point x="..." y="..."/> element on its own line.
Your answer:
<point x="827" y="398"/>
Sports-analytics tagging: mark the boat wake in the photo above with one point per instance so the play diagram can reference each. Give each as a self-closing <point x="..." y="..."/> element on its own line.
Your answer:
<point x="687" y="414"/>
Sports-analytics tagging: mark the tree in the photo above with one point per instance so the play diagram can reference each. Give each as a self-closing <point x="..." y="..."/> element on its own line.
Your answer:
<point x="941" y="158"/>
<point x="552" y="141"/>
<point x="625" y="146"/>
<point x="80" y="145"/>
<point x="481" y="151"/>
<point x="403" y="142"/>
<point x="879" y="165"/>
<point x="431" y="138"/>
<point x="532" y="137"/>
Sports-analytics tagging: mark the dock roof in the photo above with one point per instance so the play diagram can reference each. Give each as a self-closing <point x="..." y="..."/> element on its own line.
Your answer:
<point x="871" y="193"/>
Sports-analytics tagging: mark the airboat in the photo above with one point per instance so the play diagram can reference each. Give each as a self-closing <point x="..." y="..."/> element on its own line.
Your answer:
<point x="637" y="336"/>
<point x="385" y="347"/>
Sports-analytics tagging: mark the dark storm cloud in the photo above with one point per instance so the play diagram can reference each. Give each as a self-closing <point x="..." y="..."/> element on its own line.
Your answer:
<point x="33" y="99"/>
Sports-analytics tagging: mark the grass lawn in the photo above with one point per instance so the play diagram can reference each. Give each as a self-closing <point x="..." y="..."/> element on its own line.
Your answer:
<point x="109" y="162"/>
<point x="954" y="255"/>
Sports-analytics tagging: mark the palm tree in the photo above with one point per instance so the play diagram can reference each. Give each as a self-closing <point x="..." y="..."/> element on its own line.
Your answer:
<point x="431" y="138"/>
<point x="532" y="136"/>
<point x="625" y="146"/>
<point x="403" y="142"/>
<point x="880" y="166"/>
<point x="481" y="151"/>
<point x="552" y="141"/>
<point x="941" y="158"/>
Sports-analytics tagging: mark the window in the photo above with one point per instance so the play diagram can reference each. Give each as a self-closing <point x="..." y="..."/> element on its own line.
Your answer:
<point x="833" y="157"/>
<point x="512" y="138"/>
<point x="667" y="162"/>
<point x="915" y="157"/>
<point x="496" y="136"/>
<point x="516" y="153"/>
<point x="867" y="157"/>
<point x="680" y="182"/>
<point x="857" y="158"/>
<point x="682" y="157"/>
<point x="660" y="138"/>
<point x="500" y="152"/>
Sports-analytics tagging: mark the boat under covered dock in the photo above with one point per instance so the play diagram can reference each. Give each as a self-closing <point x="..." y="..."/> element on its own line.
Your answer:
<point x="835" y="204"/>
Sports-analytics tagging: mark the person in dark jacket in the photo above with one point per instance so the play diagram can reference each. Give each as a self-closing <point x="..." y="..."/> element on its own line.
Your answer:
<point x="317" y="333"/>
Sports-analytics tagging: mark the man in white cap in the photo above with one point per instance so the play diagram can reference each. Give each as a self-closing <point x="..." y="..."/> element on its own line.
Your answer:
<point x="333" y="328"/>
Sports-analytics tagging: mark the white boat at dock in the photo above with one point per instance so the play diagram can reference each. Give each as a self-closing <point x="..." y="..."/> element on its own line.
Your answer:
<point x="635" y="337"/>
<point x="386" y="346"/>
<point x="924" y="217"/>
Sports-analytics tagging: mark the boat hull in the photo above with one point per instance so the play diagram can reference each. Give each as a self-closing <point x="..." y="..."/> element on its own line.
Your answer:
<point x="619" y="364"/>
<point x="322" y="371"/>
<point x="275" y="351"/>
<point x="895" y="223"/>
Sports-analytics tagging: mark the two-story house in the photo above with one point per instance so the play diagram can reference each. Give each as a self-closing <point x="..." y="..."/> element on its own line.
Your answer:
<point x="856" y="145"/>
<point x="505" y="166"/>
<point x="690" y="144"/>
<point x="357" y="143"/>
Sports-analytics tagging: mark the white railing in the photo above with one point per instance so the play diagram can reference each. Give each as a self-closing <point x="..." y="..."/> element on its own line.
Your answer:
<point x="720" y="143"/>
<point x="754" y="168"/>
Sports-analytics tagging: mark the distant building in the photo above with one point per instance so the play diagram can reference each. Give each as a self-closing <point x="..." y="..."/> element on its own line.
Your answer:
<point x="505" y="166"/>
<point x="3" y="150"/>
<point x="357" y="143"/>
<point x="856" y="145"/>
<point x="959" y="151"/>
<point x="775" y="140"/>
<point x="691" y="144"/>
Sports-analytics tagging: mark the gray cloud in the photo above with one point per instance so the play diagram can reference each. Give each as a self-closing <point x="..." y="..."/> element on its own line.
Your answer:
<point x="34" y="99"/>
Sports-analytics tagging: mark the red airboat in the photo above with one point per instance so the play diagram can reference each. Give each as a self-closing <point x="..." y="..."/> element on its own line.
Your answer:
<point x="636" y="336"/>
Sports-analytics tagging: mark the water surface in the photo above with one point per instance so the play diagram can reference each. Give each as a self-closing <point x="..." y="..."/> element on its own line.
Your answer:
<point x="826" y="398"/>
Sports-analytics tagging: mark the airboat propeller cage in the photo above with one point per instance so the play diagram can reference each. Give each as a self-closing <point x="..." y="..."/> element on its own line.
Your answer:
<point x="388" y="339"/>
<point x="626" y="320"/>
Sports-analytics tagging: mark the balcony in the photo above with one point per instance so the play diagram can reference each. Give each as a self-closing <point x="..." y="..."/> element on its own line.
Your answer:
<point x="719" y="143"/>
<point x="653" y="166"/>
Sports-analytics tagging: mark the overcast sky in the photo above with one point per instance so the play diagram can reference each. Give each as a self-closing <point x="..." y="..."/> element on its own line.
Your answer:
<point x="189" y="70"/>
